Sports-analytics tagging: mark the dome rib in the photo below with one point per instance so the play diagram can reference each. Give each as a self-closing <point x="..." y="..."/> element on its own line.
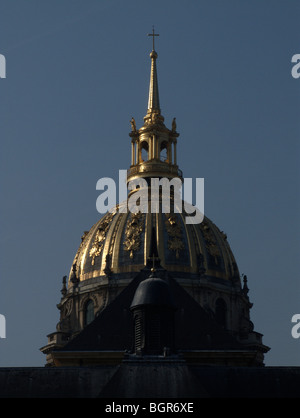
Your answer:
<point x="123" y="240"/>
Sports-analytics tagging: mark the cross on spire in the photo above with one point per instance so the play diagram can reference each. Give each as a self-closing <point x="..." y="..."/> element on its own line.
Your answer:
<point x="153" y="34"/>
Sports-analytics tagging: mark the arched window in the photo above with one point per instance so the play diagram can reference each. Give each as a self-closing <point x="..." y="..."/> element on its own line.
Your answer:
<point x="163" y="151"/>
<point x="221" y="312"/>
<point x="144" y="151"/>
<point x="89" y="312"/>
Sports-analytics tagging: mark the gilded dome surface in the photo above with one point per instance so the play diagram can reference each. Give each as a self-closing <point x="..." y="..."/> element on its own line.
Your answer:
<point x="118" y="247"/>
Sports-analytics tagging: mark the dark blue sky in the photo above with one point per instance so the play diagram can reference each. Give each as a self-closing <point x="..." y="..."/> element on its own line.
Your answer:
<point x="76" y="74"/>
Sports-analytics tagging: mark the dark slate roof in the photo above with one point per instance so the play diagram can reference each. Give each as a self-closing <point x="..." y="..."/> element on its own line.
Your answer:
<point x="150" y="380"/>
<point x="154" y="379"/>
<point x="168" y="380"/>
<point x="112" y="329"/>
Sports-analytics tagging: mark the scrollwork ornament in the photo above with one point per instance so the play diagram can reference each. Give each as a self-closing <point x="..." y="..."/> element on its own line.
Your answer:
<point x="100" y="236"/>
<point x="68" y="307"/>
<point x="174" y="230"/>
<point x="210" y="242"/>
<point x="133" y="230"/>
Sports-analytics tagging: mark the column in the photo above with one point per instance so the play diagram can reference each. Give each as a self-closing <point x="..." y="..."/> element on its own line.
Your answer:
<point x="136" y="153"/>
<point x="169" y="153"/>
<point x="154" y="146"/>
<point x="175" y="154"/>
<point x="150" y="148"/>
<point x="132" y="152"/>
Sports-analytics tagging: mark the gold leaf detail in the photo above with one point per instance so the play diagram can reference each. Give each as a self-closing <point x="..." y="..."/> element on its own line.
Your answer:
<point x="210" y="241"/>
<point x="174" y="230"/>
<point x="100" y="236"/>
<point x="134" y="228"/>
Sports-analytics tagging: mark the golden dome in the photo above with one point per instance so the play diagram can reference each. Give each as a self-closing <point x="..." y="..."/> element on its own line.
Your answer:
<point x="118" y="246"/>
<point x="119" y="251"/>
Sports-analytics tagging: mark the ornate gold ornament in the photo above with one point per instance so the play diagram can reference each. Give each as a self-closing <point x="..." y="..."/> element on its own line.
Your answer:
<point x="210" y="241"/>
<point x="174" y="230"/>
<point x="100" y="236"/>
<point x="134" y="228"/>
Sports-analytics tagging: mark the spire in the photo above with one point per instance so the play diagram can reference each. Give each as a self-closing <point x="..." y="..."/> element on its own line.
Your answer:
<point x="153" y="146"/>
<point x="153" y="101"/>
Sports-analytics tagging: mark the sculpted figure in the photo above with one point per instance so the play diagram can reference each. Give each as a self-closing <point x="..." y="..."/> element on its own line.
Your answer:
<point x="133" y="125"/>
<point x="174" y="125"/>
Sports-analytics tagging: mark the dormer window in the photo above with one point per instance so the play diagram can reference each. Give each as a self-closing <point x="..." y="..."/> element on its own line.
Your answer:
<point x="89" y="314"/>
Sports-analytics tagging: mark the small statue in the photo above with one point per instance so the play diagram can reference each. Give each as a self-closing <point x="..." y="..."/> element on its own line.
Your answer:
<point x="64" y="288"/>
<point x="133" y="125"/>
<point x="174" y="125"/>
<point x="74" y="278"/>
<point x="107" y="269"/>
